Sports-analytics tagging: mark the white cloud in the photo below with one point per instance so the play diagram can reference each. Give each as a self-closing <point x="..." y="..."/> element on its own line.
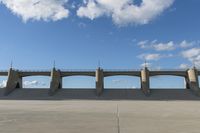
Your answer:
<point x="158" y="46"/>
<point x="3" y="84"/>
<point x="193" y="55"/>
<point x="184" y="66"/>
<point x="149" y="57"/>
<point x="33" y="83"/>
<point x="38" y="9"/>
<point x="143" y="44"/>
<point x="124" y="12"/>
<point x="167" y="46"/>
<point x="146" y="65"/>
<point x="154" y="56"/>
<point x="186" y="44"/>
<point x="92" y="10"/>
<point x="150" y="66"/>
<point x="164" y="46"/>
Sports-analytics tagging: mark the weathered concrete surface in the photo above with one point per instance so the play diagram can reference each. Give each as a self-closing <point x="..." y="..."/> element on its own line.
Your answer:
<point x="193" y="81"/>
<point x="56" y="82"/>
<point x="99" y="81"/>
<point x="83" y="116"/>
<point x="145" y="86"/>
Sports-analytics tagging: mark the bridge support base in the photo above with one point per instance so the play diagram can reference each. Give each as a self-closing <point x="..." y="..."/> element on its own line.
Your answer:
<point x="145" y="81"/>
<point x="99" y="82"/>
<point x="192" y="81"/>
<point x="14" y="81"/>
<point x="56" y="82"/>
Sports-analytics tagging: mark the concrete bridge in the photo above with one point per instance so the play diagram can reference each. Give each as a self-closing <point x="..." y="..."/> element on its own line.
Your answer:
<point x="15" y="78"/>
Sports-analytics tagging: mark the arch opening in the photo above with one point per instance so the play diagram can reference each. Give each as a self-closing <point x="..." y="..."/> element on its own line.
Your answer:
<point x="36" y="82"/>
<point x="3" y="81"/>
<point x="167" y="82"/>
<point x="122" y="82"/>
<point x="78" y="82"/>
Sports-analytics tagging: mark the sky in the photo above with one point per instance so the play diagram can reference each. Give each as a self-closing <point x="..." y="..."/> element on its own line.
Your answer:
<point x="112" y="34"/>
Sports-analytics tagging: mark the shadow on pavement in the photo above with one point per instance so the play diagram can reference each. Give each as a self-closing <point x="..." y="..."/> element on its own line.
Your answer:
<point x="108" y="94"/>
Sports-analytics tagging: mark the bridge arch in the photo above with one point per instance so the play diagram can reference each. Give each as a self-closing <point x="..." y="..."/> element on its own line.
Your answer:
<point x="122" y="82"/>
<point x="78" y="82"/>
<point x="36" y="81"/>
<point x="167" y="82"/>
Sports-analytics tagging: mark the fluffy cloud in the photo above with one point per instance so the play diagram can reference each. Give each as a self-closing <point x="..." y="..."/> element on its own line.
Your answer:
<point x="158" y="46"/>
<point x="164" y="46"/>
<point x="143" y="44"/>
<point x="3" y="84"/>
<point x="186" y="44"/>
<point x="33" y="83"/>
<point x="149" y="57"/>
<point x="146" y="65"/>
<point x="38" y="9"/>
<point x="184" y="66"/>
<point x="124" y="12"/>
<point x="154" y="56"/>
<point x="193" y="55"/>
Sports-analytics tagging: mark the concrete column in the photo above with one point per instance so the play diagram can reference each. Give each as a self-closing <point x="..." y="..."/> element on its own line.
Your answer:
<point x="56" y="81"/>
<point x="14" y="81"/>
<point x="186" y="82"/>
<point x="145" y="87"/>
<point x="99" y="81"/>
<point x="192" y="81"/>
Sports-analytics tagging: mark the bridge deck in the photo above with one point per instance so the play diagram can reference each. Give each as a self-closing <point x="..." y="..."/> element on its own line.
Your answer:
<point x="25" y="74"/>
<point x="106" y="72"/>
<point x="77" y="73"/>
<point x="168" y="72"/>
<point x="3" y="73"/>
<point x="118" y="73"/>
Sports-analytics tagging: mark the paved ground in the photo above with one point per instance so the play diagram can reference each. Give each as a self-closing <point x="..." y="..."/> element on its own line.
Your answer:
<point x="92" y="116"/>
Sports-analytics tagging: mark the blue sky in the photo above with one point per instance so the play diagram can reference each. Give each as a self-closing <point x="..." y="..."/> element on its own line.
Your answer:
<point x="120" y="34"/>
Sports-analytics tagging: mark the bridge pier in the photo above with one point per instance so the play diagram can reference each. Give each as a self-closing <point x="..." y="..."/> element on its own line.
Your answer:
<point x="14" y="81"/>
<point x="56" y="81"/>
<point x="145" y="81"/>
<point x="192" y="81"/>
<point x="99" y="81"/>
<point x="187" y="83"/>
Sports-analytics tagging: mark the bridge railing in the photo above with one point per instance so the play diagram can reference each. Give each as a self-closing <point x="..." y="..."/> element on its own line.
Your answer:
<point x="93" y="70"/>
<point x="121" y="70"/>
<point x="168" y="70"/>
<point x="77" y="70"/>
<point x="45" y="70"/>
